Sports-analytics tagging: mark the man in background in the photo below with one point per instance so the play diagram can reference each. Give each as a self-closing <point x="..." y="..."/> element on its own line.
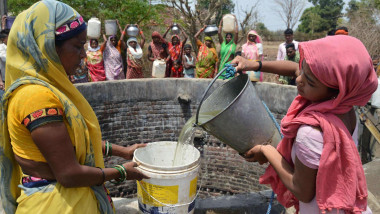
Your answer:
<point x="291" y="55"/>
<point x="288" y="33"/>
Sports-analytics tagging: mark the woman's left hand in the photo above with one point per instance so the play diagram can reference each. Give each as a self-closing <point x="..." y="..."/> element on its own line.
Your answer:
<point x="256" y="155"/>
<point x="127" y="152"/>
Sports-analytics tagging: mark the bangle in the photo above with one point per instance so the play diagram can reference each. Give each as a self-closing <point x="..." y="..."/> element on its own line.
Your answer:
<point x="106" y="149"/>
<point x="123" y="32"/>
<point x="260" y="65"/>
<point x="103" y="176"/>
<point x="141" y="32"/>
<point x="110" y="149"/>
<point x="123" y="174"/>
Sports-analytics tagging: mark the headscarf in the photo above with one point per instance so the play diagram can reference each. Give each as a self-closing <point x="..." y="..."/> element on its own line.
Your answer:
<point x="157" y="48"/>
<point x="249" y="48"/>
<point x="89" y="48"/>
<point x="138" y="53"/>
<point x="32" y="59"/>
<point x="208" y="38"/>
<point x="340" y="181"/>
<point x="341" y="32"/>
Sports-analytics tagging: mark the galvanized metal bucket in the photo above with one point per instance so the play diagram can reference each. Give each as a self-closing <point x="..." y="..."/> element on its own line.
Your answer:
<point x="242" y="121"/>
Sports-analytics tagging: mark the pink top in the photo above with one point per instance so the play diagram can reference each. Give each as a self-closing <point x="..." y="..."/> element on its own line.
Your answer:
<point x="308" y="148"/>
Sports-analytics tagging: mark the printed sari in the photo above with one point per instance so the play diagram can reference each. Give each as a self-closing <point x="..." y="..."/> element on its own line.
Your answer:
<point x="95" y="63"/>
<point x="206" y="61"/>
<point x="33" y="60"/>
<point x="134" y="60"/>
<point x="113" y="62"/>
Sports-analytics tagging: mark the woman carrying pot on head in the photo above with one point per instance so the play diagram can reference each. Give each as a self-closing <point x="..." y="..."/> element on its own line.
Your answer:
<point x="316" y="167"/>
<point x="158" y="50"/>
<point x="51" y="149"/>
<point x="227" y="46"/>
<point x="207" y="57"/>
<point x="175" y="47"/>
<point x="134" y="56"/>
<point x="113" y="61"/>
<point x="94" y="60"/>
<point x="253" y="50"/>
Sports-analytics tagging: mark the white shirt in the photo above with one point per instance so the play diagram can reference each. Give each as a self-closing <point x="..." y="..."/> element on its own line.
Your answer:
<point x="282" y="50"/>
<point x="3" y="54"/>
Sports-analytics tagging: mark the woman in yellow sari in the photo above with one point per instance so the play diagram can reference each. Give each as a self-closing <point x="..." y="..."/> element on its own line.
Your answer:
<point x="207" y="58"/>
<point x="51" y="152"/>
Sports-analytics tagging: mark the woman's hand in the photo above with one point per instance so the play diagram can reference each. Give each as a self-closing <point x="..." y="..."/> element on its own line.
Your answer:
<point x="244" y="64"/>
<point x="127" y="152"/>
<point x="256" y="155"/>
<point x="133" y="173"/>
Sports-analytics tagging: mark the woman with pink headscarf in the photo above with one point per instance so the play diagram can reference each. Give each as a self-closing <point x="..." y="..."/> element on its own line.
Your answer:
<point x="253" y="50"/>
<point x="316" y="167"/>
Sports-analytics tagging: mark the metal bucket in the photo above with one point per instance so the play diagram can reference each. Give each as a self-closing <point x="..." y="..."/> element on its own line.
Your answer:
<point x="242" y="121"/>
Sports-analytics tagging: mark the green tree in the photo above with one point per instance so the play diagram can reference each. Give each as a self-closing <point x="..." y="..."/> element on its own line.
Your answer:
<point x="311" y="21"/>
<point x="323" y="16"/>
<point x="227" y="7"/>
<point x="127" y="11"/>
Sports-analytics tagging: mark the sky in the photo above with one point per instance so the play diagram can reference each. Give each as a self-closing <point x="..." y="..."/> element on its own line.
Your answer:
<point x="267" y="13"/>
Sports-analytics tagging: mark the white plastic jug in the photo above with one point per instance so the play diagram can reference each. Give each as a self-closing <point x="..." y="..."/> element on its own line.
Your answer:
<point x="93" y="29"/>
<point x="159" y="68"/>
<point x="111" y="27"/>
<point x="228" y="23"/>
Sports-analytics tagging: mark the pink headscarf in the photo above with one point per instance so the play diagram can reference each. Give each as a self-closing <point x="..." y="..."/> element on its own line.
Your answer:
<point x="339" y="62"/>
<point x="249" y="48"/>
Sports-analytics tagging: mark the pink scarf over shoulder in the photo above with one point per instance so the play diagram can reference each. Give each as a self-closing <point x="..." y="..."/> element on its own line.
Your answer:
<point x="340" y="62"/>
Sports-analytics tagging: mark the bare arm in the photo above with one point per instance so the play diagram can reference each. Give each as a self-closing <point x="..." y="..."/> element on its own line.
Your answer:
<point x="300" y="180"/>
<point x="63" y="162"/>
<point x="236" y="38"/>
<point x="122" y="34"/>
<point x="105" y="39"/>
<point x="183" y="34"/>
<point x="150" y="55"/>
<point x="199" y="32"/>
<point x="220" y="37"/>
<point x="166" y="32"/>
<point x="285" y="68"/>
<point x="142" y="39"/>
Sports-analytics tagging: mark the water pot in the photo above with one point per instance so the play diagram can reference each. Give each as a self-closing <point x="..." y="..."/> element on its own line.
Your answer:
<point x="175" y="29"/>
<point x="211" y="30"/>
<point x="93" y="29"/>
<point x="239" y="118"/>
<point x="228" y="23"/>
<point x="111" y="27"/>
<point x="132" y="31"/>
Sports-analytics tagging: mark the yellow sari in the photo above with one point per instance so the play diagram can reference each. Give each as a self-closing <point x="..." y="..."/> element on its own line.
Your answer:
<point x="32" y="59"/>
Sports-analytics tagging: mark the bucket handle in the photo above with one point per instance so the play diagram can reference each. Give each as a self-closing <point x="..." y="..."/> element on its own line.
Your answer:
<point x="172" y="205"/>
<point x="207" y="89"/>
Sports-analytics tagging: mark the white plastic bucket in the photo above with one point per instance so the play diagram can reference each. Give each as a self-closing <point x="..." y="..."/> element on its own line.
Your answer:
<point x="111" y="28"/>
<point x="228" y="23"/>
<point x="93" y="29"/>
<point x="159" y="68"/>
<point x="170" y="189"/>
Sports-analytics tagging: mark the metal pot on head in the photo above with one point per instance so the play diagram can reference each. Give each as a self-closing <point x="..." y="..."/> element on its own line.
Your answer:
<point x="175" y="29"/>
<point x="211" y="30"/>
<point x="132" y="31"/>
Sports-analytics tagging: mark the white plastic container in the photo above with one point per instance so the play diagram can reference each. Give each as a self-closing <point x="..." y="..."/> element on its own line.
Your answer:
<point x="375" y="102"/>
<point x="228" y="23"/>
<point x="170" y="189"/>
<point x="159" y="68"/>
<point x="111" y="27"/>
<point x="93" y="29"/>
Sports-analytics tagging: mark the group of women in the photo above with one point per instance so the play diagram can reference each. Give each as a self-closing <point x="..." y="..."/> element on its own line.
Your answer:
<point x="105" y="61"/>
<point x="51" y="148"/>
